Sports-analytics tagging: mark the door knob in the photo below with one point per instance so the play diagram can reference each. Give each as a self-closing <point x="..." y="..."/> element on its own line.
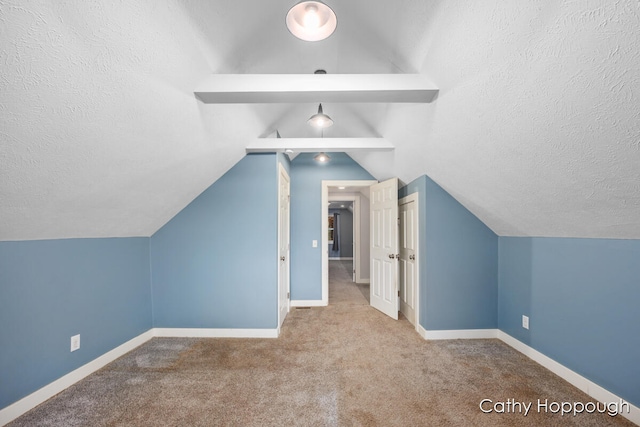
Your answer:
<point x="282" y="258"/>
<point x="412" y="257"/>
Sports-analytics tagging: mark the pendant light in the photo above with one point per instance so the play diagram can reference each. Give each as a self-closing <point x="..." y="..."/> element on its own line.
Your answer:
<point x="311" y="21"/>
<point x="321" y="158"/>
<point x="320" y="119"/>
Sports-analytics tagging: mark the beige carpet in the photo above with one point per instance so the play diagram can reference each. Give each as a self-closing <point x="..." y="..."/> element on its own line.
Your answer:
<point x="342" y="365"/>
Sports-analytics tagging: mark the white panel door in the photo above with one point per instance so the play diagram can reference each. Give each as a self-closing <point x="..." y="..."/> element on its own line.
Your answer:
<point x="408" y="262"/>
<point x="283" y="244"/>
<point x="384" y="247"/>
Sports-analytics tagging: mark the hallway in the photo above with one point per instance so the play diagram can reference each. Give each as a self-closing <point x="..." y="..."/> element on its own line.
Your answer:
<point x="342" y="289"/>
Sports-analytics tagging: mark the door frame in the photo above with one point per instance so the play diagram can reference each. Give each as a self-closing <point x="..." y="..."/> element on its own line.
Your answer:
<point x="324" y="238"/>
<point x="414" y="197"/>
<point x="281" y="171"/>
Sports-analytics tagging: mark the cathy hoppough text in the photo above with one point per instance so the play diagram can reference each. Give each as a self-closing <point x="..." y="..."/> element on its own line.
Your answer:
<point x="512" y="406"/>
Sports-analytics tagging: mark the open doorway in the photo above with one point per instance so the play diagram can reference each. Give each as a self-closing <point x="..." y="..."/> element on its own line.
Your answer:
<point x="342" y="257"/>
<point x="353" y="194"/>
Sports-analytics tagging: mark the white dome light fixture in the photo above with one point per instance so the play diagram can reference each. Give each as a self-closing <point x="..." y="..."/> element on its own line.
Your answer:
<point x="320" y="120"/>
<point x="321" y="158"/>
<point x="311" y="21"/>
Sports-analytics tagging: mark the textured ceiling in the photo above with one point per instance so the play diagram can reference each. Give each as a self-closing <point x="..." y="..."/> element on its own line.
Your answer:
<point x="536" y="128"/>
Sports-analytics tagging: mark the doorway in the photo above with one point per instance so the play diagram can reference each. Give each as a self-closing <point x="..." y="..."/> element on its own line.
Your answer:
<point x="356" y="192"/>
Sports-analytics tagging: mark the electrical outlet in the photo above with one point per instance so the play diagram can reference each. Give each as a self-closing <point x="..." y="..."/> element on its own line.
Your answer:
<point x="525" y="321"/>
<point x="75" y="342"/>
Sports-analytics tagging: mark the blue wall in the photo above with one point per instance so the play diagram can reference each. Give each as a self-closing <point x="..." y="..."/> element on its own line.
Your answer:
<point x="582" y="298"/>
<point x="53" y="289"/>
<point x="458" y="262"/>
<point x="306" y="186"/>
<point x="213" y="266"/>
<point x="215" y="263"/>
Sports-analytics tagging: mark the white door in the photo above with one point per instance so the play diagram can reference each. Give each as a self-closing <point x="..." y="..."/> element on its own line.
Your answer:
<point x="384" y="247"/>
<point x="283" y="244"/>
<point x="408" y="262"/>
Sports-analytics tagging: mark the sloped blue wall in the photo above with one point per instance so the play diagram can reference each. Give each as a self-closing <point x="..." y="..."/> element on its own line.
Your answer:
<point x="214" y="265"/>
<point x="458" y="262"/>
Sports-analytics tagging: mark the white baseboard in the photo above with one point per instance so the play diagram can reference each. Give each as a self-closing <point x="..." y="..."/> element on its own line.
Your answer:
<point x="458" y="334"/>
<point x="29" y="402"/>
<point x="215" y="333"/>
<point x="577" y="380"/>
<point x="308" y="303"/>
<point x="363" y="281"/>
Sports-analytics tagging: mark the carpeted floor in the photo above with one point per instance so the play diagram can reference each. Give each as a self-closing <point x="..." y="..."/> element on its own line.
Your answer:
<point x="341" y="365"/>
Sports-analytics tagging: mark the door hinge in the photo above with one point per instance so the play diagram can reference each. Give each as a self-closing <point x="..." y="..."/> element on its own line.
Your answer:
<point x="398" y="292"/>
<point x="288" y="296"/>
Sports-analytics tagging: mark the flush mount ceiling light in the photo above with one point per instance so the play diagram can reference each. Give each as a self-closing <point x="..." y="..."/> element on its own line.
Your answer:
<point x="320" y="120"/>
<point x="311" y="21"/>
<point x="322" y="158"/>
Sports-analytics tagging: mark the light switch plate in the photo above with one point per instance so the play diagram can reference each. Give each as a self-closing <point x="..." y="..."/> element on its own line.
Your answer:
<point x="75" y="342"/>
<point x="314" y="243"/>
<point x="525" y="321"/>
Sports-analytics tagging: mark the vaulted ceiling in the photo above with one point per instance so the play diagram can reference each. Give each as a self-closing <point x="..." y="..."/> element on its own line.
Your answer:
<point x="536" y="127"/>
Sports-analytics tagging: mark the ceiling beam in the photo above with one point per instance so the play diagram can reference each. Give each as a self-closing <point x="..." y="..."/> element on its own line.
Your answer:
<point x="298" y="88"/>
<point x="313" y="145"/>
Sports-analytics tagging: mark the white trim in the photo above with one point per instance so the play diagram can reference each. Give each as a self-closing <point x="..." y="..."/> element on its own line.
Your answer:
<point x="343" y="258"/>
<point x="413" y="197"/>
<point x="363" y="281"/>
<point x="43" y="394"/>
<point x="215" y="333"/>
<point x="324" y="238"/>
<point x="312" y="88"/>
<point x="39" y="396"/>
<point x="29" y="402"/>
<point x="282" y="171"/>
<point x="314" y="145"/>
<point x="458" y="334"/>
<point x="421" y="331"/>
<point x="577" y="380"/>
<point x="308" y="303"/>
<point x="558" y="369"/>
<point x="585" y="385"/>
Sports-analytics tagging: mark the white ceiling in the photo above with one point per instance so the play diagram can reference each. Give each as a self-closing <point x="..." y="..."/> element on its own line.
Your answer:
<point x="536" y="128"/>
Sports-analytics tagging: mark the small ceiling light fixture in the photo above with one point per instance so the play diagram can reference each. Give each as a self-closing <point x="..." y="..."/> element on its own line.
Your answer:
<point x="322" y="158"/>
<point x="320" y="120"/>
<point x="311" y="21"/>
